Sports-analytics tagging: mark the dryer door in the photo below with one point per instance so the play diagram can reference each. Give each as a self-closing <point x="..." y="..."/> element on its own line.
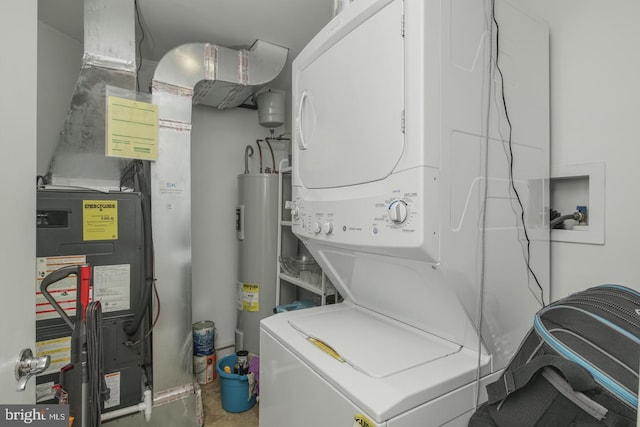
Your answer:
<point x="349" y="99"/>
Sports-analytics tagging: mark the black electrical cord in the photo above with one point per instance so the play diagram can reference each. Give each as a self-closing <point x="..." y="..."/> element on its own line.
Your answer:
<point x="128" y="174"/>
<point x="135" y="3"/>
<point x="141" y="185"/>
<point x="155" y="320"/>
<point x="273" y="158"/>
<point x="260" y="152"/>
<point x="510" y="144"/>
<point x="98" y="390"/>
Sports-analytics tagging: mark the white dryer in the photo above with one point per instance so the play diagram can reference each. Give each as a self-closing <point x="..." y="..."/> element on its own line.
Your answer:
<point x="404" y="168"/>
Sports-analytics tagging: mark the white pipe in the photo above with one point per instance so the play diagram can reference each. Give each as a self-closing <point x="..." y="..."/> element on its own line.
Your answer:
<point x="145" y="406"/>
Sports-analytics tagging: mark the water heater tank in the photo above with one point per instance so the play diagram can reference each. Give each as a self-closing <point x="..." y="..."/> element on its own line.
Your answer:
<point x="271" y="109"/>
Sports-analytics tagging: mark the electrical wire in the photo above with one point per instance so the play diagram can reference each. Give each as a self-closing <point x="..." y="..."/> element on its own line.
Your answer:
<point x="142" y="186"/>
<point x="128" y="174"/>
<point x="273" y="158"/>
<point x="98" y="390"/>
<point x="259" y="152"/>
<point x="511" y="157"/>
<point x="135" y="3"/>
<point x="155" y="320"/>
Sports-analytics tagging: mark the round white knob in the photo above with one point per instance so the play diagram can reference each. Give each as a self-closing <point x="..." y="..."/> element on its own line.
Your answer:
<point x="398" y="211"/>
<point x="327" y="228"/>
<point x="295" y="212"/>
<point x="316" y="227"/>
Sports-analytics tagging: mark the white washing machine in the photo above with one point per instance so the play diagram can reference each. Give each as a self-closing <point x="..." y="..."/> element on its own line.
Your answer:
<point x="403" y="190"/>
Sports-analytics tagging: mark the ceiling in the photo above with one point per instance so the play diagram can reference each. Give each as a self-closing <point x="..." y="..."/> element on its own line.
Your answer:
<point x="229" y="23"/>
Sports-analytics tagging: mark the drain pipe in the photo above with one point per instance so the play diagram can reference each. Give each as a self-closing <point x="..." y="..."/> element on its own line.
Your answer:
<point x="145" y="406"/>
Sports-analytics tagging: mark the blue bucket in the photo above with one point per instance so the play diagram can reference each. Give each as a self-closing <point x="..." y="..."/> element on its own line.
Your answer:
<point x="234" y="388"/>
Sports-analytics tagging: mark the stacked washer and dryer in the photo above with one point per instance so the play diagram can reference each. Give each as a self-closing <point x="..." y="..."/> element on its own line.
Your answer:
<point x="411" y="182"/>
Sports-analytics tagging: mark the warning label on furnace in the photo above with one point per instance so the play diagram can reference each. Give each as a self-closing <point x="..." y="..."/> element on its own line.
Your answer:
<point x="111" y="284"/>
<point x="63" y="291"/>
<point x="250" y="297"/>
<point x="99" y="219"/>
<point x="58" y="349"/>
<point x="113" y="384"/>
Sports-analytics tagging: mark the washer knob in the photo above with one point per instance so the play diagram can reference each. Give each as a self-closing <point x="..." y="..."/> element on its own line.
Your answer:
<point x="316" y="227"/>
<point x="398" y="211"/>
<point x="327" y="228"/>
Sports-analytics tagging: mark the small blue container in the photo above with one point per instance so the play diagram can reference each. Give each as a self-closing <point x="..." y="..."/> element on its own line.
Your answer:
<point x="296" y="305"/>
<point x="234" y="388"/>
<point x="203" y="338"/>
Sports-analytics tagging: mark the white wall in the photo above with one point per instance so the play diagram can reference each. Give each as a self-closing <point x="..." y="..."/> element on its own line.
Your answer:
<point x="18" y="42"/>
<point x="595" y="109"/>
<point x="219" y="138"/>
<point x="60" y="58"/>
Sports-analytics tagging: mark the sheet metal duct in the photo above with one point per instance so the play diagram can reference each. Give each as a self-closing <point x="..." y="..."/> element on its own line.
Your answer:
<point x="191" y="73"/>
<point x="109" y="59"/>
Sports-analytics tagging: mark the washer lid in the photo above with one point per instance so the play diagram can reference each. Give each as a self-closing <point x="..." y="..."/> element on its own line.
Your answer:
<point x="372" y="344"/>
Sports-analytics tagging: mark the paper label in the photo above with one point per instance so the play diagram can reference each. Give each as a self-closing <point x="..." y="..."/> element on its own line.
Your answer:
<point x="58" y="349"/>
<point x="132" y="129"/>
<point x="250" y="297"/>
<point x="113" y="383"/>
<point x="111" y="286"/>
<point x="63" y="291"/>
<point x="174" y="188"/>
<point x="361" y="421"/>
<point x="99" y="219"/>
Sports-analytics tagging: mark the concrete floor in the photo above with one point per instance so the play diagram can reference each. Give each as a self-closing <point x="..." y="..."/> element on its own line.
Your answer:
<point x="215" y="416"/>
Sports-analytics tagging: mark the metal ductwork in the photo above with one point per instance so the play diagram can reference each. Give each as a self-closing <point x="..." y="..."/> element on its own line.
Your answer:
<point x="219" y="76"/>
<point x="191" y="73"/>
<point x="109" y="59"/>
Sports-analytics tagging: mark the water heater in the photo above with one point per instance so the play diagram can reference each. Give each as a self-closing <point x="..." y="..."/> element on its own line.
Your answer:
<point x="257" y="228"/>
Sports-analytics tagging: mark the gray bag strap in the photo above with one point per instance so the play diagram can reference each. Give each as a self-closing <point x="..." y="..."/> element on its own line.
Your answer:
<point x="512" y="380"/>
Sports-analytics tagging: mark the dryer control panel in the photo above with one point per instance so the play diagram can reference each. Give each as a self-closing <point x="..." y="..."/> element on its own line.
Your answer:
<point x="398" y="215"/>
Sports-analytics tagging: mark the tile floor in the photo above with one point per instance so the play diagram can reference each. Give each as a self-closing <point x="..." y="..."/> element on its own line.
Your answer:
<point x="215" y="416"/>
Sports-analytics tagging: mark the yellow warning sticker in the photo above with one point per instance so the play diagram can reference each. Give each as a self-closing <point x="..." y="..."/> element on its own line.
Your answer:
<point x="250" y="297"/>
<point x="132" y="129"/>
<point x="361" y="421"/>
<point x="58" y="349"/>
<point x="99" y="219"/>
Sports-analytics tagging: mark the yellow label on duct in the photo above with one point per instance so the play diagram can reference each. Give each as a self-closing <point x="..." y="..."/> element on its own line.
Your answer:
<point x="99" y="219"/>
<point x="250" y="297"/>
<point x="361" y="421"/>
<point x="132" y="129"/>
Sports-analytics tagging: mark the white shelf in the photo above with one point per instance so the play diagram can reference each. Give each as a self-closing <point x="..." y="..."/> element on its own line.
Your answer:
<point x="316" y="289"/>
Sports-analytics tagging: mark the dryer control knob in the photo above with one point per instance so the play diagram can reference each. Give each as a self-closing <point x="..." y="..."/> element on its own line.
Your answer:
<point x="316" y="227"/>
<point x="327" y="228"/>
<point x="398" y="211"/>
